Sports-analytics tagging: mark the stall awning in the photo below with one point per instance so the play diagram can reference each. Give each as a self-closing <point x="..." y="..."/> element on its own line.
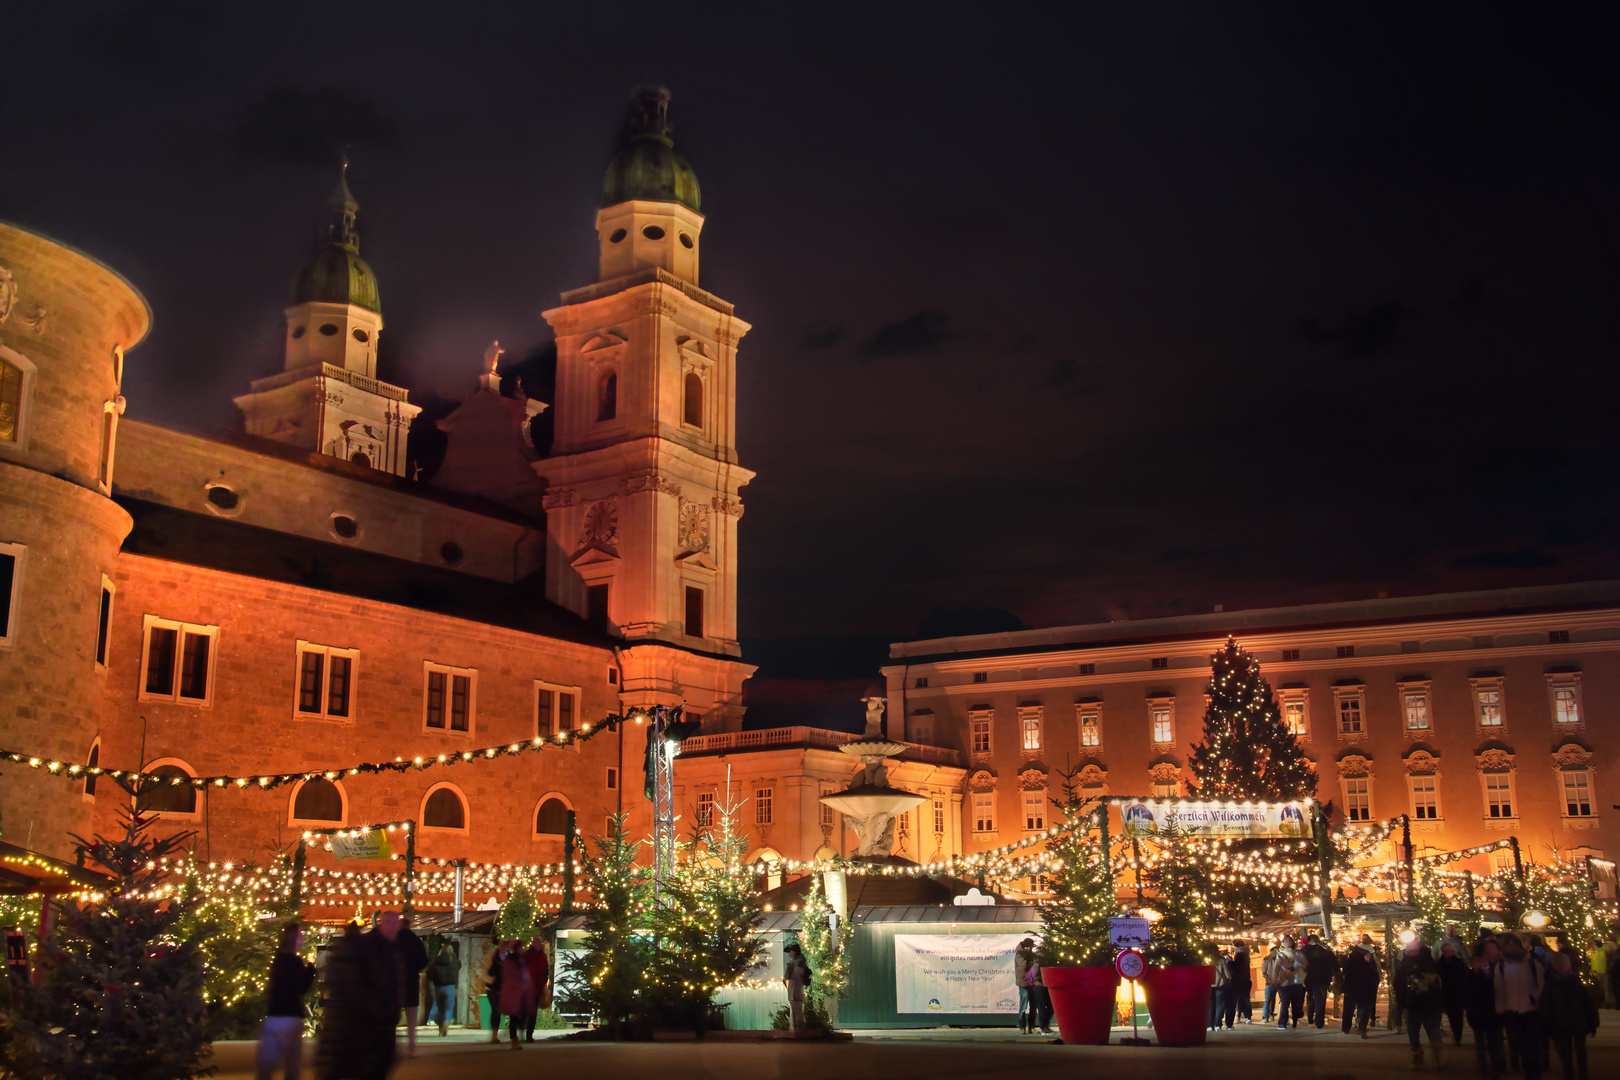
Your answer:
<point x="24" y="872"/>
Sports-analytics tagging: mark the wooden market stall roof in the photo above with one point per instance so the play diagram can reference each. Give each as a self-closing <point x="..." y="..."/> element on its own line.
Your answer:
<point x="24" y="873"/>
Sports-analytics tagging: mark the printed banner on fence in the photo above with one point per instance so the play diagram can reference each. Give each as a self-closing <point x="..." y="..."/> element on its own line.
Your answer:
<point x="955" y="973"/>
<point x="1147" y="817"/>
<point x="368" y="845"/>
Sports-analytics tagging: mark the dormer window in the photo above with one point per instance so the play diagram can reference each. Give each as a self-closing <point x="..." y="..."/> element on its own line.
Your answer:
<point x="607" y="397"/>
<point x="692" y="400"/>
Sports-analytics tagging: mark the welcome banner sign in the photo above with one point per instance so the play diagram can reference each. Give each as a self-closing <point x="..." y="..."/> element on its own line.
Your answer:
<point x="1146" y="818"/>
<point x="956" y="973"/>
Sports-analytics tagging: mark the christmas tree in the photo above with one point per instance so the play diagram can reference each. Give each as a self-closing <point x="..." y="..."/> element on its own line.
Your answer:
<point x="120" y="991"/>
<point x="609" y="977"/>
<point x="1074" y="922"/>
<point x="519" y="919"/>
<point x="706" y="926"/>
<point x="825" y="939"/>
<point x="1247" y="752"/>
<point x="1180" y="884"/>
<point x="238" y="934"/>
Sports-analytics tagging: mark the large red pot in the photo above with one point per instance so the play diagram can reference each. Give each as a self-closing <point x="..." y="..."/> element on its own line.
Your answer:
<point x="1083" y="1002"/>
<point x="1178" y="1003"/>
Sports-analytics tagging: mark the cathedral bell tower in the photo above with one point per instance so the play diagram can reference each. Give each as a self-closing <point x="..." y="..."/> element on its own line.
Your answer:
<point x="328" y="399"/>
<point x="642" y="499"/>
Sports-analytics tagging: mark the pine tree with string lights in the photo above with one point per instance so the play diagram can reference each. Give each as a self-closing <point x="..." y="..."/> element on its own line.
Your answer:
<point x="1247" y="753"/>
<point x="1074" y="921"/>
<point x="610" y="977"/>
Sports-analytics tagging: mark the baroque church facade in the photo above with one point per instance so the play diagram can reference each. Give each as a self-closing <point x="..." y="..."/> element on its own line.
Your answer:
<point x="290" y="600"/>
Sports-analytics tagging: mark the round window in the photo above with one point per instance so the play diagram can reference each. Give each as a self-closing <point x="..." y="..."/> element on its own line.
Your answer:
<point x="652" y="232"/>
<point x="451" y="553"/>
<point x="345" y="526"/>
<point x="361" y="335"/>
<point x="686" y="241"/>
<point x="617" y="237"/>
<point x="223" y="497"/>
<point x="298" y="332"/>
<point x="328" y="329"/>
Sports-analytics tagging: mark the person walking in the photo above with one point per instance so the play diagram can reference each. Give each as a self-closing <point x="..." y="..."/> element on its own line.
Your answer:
<point x="443" y="975"/>
<point x="1320" y="967"/>
<point x="796" y="975"/>
<point x="1481" y="1009"/>
<point x="340" y="1044"/>
<point x="1024" y="967"/>
<point x="1241" y="983"/>
<point x="386" y="992"/>
<point x="1361" y="978"/>
<point x="281" y="1039"/>
<point x="1290" y="974"/>
<point x="413" y="958"/>
<point x="1519" y="981"/>
<point x="1453" y="987"/>
<point x="1569" y="1015"/>
<point x="1218" y="992"/>
<point x="1042" y="999"/>
<point x="1422" y="999"/>
<point x="1269" y="975"/>
<point x="539" y="967"/>
<point x="1452" y="937"/>
<point x="517" y="992"/>
<point x="492" y="990"/>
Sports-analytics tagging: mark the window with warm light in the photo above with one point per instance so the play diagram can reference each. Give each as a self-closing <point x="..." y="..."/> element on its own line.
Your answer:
<point x="11" y="402"/>
<point x="1566" y="703"/>
<point x="1293" y="715"/>
<point x="1357" y="798"/>
<point x="939" y="817"/>
<point x="764" y="805"/>
<point x="1425" y="798"/>
<point x="1166" y="787"/>
<point x="829" y="816"/>
<point x="1415" y="706"/>
<point x="705" y="809"/>
<point x="1034" y="811"/>
<point x="1029" y="722"/>
<point x="177" y="663"/>
<point x="1350" y="714"/>
<point x="1163" y="728"/>
<point x="984" y="811"/>
<point x="1488" y="701"/>
<point x="1091" y="729"/>
<point x="448" y="698"/>
<point x="1499" y="794"/>
<point x="325" y="681"/>
<point x="1577" y="793"/>
<point x="980" y="733"/>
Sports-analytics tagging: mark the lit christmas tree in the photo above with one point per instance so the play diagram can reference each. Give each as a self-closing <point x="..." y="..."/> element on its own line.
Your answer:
<point x="826" y="950"/>
<point x="121" y="985"/>
<point x="1247" y="752"/>
<point x="1180" y="884"/>
<point x="1074" y="922"/>
<point x="609" y="977"/>
<point x="519" y="919"/>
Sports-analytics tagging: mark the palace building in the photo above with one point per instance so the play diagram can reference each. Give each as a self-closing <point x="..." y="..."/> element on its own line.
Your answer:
<point x="291" y="600"/>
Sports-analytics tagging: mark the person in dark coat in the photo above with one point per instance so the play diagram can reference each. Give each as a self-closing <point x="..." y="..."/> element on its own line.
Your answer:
<point x="493" y="978"/>
<point x="1423" y="1000"/>
<point x="1453" y="987"/>
<point x="1361" y="978"/>
<point x="443" y="975"/>
<point x="1569" y="1015"/>
<point x="412" y="956"/>
<point x="1320" y="967"/>
<point x="539" y="965"/>
<point x="1480" y="1008"/>
<point x="356" y="1040"/>
<point x="281" y="1040"/>
<point x="1239" y="984"/>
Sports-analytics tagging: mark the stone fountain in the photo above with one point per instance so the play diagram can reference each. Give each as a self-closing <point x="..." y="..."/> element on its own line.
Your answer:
<point x="869" y="803"/>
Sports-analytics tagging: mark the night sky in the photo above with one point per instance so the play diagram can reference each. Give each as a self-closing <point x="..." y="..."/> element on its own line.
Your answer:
<point x="1129" y="311"/>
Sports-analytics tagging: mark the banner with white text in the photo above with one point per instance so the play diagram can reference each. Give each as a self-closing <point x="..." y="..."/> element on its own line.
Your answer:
<point x="956" y="973"/>
<point x="1147" y="817"/>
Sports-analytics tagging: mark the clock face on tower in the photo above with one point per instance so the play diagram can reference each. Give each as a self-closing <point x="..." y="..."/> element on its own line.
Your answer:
<point x="600" y="526"/>
<point x="694" y="526"/>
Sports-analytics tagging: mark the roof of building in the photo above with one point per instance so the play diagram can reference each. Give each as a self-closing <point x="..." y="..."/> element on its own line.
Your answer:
<point x="337" y="274"/>
<point x="1387" y="611"/>
<point x="24" y="872"/>
<point x="162" y="532"/>
<point x="647" y="167"/>
<point x="880" y="890"/>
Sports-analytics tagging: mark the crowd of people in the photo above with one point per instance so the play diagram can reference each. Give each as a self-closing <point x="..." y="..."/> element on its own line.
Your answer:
<point x="1034" y="1000"/>
<point x="370" y="982"/>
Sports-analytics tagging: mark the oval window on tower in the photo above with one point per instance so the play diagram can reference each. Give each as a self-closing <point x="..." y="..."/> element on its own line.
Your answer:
<point x="345" y="526"/>
<point x="652" y="232"/>
<point x="328" y="329"/>
<point x="360" y="335"/>
<point x="617" y="237"/>
<point x="686" y="241"/>
<point x="298" y="332"/>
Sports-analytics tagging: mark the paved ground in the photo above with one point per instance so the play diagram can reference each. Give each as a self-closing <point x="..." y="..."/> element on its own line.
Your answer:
<point x="1252" y="1053"/>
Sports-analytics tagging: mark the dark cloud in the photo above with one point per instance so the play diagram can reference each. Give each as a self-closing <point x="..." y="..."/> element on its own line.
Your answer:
<point x="924" y="332"/>
<point x="822" y="335"/>
<point x="1066" y="376"/>
<point x="163" y="42"/>
<point x="293" y="126"/>
<point x="1362" y="333"/>
<point x="1524" y="558"/>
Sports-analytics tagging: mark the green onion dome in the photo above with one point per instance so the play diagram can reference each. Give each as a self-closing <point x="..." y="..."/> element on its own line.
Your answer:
<point x="337" y="274"/>
<point x="647" y="167"/>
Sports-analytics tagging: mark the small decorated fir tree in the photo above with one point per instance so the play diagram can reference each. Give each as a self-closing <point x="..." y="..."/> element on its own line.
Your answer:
<point x="1180" y="885"/>
<point x="826" y="950"/>
<point x="1075" y="920"/>
<point x="121" y="986"/>
<point x="519" y="919"/>
<point x="608" y="978"/>
<point x="1247" y="752"/>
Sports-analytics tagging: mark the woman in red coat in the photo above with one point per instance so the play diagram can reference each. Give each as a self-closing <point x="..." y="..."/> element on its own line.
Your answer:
<point x="517" y="990"/>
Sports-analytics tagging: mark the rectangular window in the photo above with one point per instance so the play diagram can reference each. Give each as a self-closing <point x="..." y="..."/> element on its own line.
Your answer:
<point x="1345" y="651"/>
<point x="1088" y="669"/>
<point x="981" y="676"/>
<point x="902" y="827"/>
<point x="1566" y="705"/>
<point x="1489" y="700"/>
<point x="922" y="728"/>
<point x="103" y="620"/>
<point x="1091" y="729"/>
<point x="1425" y="798"/>
<point x="1163" y="730"/>
<point x="178" y="662"/>
<point x="984" y="811"/>
<point x="612" y="778"/>
<point x="1029" y="722"/>
<point x="1166" y="789"/>
<point x="325" y="680"/>
<point x="1577" y="794"/>
<point x="109" y="428"/>
<point x="1293" y="712"/>
<point x="613" y="676"/>
<point x="1357" y="798"/>
<point x="763" y="805"/>
<point x="1558" y="637"/>
<point x="1160" y="663"/>
<point x="694" y="611"/>
<point x="1350" y="715"/>
<point x="1034" y="811"/>
<point x="922" y="682"/>
<point x="545" y="711"/>
<point x="556" y="709"/>
<point x="596" y="607"/>
<point x="705" y="809"/>
<point x="829" y="816"/>
<point x="449" y="699"/>
<point x="981" y="735"/>
<point x="939" y="817"/>
<point x="1415" y="706"/>
<point x="1290" y="654"/>
<point x="11" y="557"/>
<point x="1499" y="794"/>
<point x="565" y="712"/>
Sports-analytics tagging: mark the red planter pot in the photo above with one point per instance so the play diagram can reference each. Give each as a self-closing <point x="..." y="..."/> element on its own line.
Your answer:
<point x="1083" y="1002"/>
<point x="1178" y="1002"/>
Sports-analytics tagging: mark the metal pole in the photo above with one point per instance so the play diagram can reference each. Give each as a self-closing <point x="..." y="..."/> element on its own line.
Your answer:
<point x="1406" y="858"/>
<point x="461" y="881"/>
<point x="570" y="833"/>
<point x="1324" y="886"/>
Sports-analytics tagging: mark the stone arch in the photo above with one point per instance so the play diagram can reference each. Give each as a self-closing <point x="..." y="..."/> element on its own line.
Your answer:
<point x="551" y="815"/>
<point x="166" y="798"/>
<point x="444" y="808"/>
<point x="317" y="799"/>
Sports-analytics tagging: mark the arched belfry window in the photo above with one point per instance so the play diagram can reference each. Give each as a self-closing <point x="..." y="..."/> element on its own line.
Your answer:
<point x="551" y="818"/>
<point x="318" y="799"/>
<point x="692" y="400"/>
<point x="607" y="397"/>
